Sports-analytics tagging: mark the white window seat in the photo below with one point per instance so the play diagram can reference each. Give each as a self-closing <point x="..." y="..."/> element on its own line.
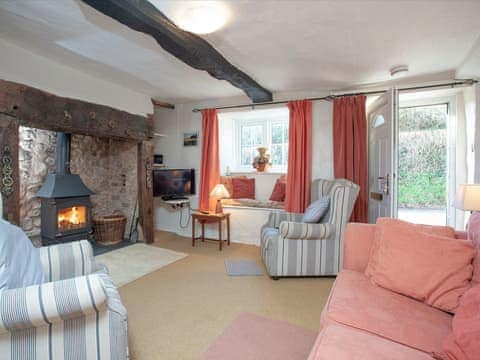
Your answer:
<point x="253" y="204"/>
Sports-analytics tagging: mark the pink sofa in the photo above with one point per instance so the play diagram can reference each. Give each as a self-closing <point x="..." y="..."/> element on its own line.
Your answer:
<point x="365" y="321"/>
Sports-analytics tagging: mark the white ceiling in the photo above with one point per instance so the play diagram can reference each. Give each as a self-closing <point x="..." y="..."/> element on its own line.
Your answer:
<point x="284" y="45"/>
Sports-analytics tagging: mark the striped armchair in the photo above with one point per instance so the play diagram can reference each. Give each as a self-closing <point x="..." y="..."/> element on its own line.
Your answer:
<point x="292" y="248"/>
<point x="76" y="314"/>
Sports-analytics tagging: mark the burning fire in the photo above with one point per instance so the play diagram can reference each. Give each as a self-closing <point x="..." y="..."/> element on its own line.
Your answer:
<point x="72" y="217"/>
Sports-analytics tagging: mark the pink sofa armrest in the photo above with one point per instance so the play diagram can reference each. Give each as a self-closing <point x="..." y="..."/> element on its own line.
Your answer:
<point x="358" y="241"/>
<point x="461" y="234"/>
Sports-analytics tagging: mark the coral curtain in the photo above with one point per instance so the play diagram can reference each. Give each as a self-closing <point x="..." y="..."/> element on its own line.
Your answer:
<point x="210" y="166"/>
<point x="299" y="175"/>
<point x="350" y="148"/>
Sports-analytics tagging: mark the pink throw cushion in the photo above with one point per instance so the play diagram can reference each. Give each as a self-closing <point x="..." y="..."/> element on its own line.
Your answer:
<point x="243" y="188"/>
<point x="474" y="235"/>
<point x="227" y="182"/>
<point x="278" y="193"/>
<point x="446" y="231"/>
<point x="434" y="269"/>
<point x="464" y="341"/>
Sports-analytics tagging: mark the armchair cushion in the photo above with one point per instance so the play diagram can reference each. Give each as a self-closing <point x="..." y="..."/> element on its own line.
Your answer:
<point x="316" y="210"/>
<point x="20" y="264"/>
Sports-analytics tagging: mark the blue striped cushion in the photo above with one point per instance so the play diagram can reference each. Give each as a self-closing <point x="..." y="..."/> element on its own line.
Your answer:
<point x="316" y="210"/>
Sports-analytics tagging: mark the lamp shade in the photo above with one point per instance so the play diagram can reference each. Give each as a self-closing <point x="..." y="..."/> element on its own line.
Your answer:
<point x="219" y="192"/>
<point x="468" y="197"/>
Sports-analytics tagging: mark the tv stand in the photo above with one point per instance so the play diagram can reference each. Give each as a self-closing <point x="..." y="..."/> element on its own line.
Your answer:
<point x="173" y="197"/>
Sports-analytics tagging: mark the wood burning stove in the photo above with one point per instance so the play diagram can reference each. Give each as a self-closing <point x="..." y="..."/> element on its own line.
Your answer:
<point x="65" y="201"/>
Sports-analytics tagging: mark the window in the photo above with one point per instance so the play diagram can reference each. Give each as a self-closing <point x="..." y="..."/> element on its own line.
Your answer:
<point x="251" y="137"/>
<point x="241" y="133"/>
<point x="279" y="144"/>
<point x="268" y="132"/>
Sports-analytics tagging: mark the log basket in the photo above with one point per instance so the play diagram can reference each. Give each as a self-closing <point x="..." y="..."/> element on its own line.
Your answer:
<point x="109" y="230"/>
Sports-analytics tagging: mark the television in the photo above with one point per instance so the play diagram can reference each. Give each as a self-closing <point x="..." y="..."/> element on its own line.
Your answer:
<point x="173" y="183"/>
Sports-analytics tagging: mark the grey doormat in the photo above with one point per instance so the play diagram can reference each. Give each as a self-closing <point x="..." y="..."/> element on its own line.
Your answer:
<point x="242" y="268"/>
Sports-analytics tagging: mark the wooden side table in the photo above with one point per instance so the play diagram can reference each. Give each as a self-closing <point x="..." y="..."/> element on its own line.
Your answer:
<point x="210" y="218"/>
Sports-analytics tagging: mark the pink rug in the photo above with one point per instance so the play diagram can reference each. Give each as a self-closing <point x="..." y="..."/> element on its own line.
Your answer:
<point x="253" y="337"/>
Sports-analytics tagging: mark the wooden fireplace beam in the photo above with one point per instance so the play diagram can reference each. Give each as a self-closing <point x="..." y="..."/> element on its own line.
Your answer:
<point x="141" y="15"/>
<point x="39" y="109"/>
<point x="145" y="189"/>
<point x="9" y="170"/>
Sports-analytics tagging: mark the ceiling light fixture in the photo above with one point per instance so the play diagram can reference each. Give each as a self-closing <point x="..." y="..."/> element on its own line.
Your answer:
<point x="398" y="71"/>
<point x="203" y="17"/>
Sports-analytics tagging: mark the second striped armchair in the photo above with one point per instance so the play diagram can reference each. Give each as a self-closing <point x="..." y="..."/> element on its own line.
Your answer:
<point x="290" y="247"/>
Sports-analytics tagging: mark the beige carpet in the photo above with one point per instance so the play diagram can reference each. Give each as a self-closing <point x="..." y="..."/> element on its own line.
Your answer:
<point x="132" y="262"/>
<point x="178" y="311"/>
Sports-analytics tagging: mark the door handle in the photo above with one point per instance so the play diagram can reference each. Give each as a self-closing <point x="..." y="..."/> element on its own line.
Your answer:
<point x="384" y="183"/>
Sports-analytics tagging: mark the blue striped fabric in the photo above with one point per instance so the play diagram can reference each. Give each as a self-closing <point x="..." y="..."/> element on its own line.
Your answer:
<point x="290" y="247"/>
<point x="79" y="317"/>
<point x="64" y="261"/>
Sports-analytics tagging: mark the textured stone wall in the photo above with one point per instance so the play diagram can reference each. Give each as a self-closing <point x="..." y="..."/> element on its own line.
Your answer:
<point x="36" y="159"/>
<point x="108" y="167"/>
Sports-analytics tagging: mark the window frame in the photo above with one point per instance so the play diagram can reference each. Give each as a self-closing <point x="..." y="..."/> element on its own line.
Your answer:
<point x="267" y="141"/>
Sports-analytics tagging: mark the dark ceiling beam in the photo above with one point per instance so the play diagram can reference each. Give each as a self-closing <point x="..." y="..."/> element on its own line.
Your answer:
<point x="141" y="15"/>
<point x="162" y="104"/>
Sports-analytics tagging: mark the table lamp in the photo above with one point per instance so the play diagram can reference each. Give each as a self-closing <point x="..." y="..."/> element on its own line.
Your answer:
<point x="468" y="197"/>
<point x="219" y="192"/>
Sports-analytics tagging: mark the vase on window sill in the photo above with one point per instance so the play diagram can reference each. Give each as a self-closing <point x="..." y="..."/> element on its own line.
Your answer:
<point x="262" y="161"/>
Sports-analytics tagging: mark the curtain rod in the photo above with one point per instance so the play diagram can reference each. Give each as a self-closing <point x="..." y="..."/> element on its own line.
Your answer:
<point x="332" y="97"/>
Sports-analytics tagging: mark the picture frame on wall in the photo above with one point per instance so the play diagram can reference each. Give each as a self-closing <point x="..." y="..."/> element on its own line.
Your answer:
<point x="190" y="138"/>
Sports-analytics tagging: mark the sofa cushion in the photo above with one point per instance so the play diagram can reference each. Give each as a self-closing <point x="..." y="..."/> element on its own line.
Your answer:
<point x="346" y="343"/>
<point x="446" y="231"/>
<point x="474" y="235"/>
<point x="20" y="264"/>
<point x="356" y="302"/>
<point x="427" y="267"/>
<point x="278" y="193"/>
<point x="464" y="341"/>
<point x="243" y="188"/>
<point x="316" y="210"/>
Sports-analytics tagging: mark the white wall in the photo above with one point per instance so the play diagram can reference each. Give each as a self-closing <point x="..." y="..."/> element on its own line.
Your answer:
<point x="22" y="66"/>
<point x="173" y="123"/>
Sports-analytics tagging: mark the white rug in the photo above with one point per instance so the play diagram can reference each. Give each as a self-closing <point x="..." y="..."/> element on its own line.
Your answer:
<point x="134" y="261"/>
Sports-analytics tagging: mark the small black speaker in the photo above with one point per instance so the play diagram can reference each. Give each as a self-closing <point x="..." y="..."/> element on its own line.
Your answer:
<point x="158" y="159"/>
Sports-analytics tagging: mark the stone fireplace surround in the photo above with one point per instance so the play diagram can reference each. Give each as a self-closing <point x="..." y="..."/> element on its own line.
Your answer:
<point x="107" y="166"/>
<point x="105" y="140"/>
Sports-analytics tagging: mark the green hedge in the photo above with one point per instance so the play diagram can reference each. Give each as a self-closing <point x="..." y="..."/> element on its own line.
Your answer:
<point x="421" y="190"/>
<point x="422" y="157"/>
